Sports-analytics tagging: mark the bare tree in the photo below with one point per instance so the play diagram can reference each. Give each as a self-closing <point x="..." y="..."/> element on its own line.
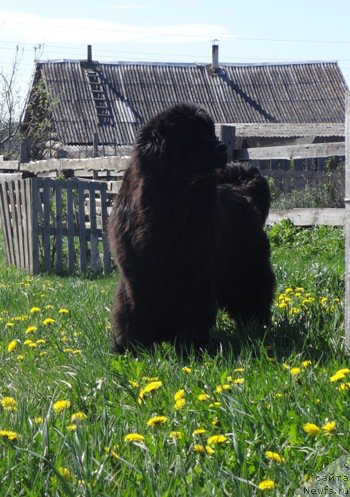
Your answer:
<point x="11" y="105"/>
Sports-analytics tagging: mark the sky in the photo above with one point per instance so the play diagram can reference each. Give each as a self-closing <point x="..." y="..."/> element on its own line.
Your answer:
<point x="251" y="31"/>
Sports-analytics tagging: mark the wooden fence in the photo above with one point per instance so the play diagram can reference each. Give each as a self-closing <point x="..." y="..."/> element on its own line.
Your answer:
<point x="55" y="225"/>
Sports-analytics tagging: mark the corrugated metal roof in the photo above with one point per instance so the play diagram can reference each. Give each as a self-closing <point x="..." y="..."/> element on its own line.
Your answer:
<point x="238" y="93"/>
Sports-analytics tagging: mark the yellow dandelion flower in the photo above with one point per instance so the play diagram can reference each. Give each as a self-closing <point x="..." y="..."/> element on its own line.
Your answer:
<point x="180" y="394"/>
<point x="63" y="311"/>
<point x="179" y="404"/>
<point x="344" y="386"/>
<point x="343" y="371"/>
<point x="20" y="357"/>
<point x="295" y="371"/>
<point x="8" y="403"/>
<point x="222" y="388"/>
<point x="311" y="429"/>
<point x="203" y="397"/>
<point x="157" y="420"/>
<point x="9" y="435"/>
<point x="266" y="485"/>
<point x="238" y="381"/>
<point x="289" y="290"/>
<point x="176" y="435"/>
<point x="274" y="456"/>
<point x="200" y="449"/>
<point x="48" y="321"/>
<point x="330" y="426"/>
<point x="217" y="439"/>
<point x="282" y="305"/>
<point x="12" y="345"/>
<point x="186" y="370"/>
<point x="41" y="341"/>
<point x="199" y="431"/>
<point x="215" y="404"/>
<point x="31" y="329"/>
<point x="151" y="387"/>
<point x="49" y="306"/>
<point x="78" y="416"/>
<point x="72" y="427"/>
<point x="337" y="377"/>
<point x="33" y="310"/>
<point x="238" y="370"/>
<point x="306" y="364"/>
<point x="61" y="405"/>
<point x="134" y="437"/>
<point x="39" y="420"/>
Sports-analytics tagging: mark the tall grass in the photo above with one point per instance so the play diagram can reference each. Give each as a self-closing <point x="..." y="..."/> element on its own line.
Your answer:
<point x="79" y="421"/>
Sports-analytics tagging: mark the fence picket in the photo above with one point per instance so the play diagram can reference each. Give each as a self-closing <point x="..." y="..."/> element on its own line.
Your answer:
<point x="58" y="225"/>
<point x="93" y="229"/>
<point x="70" y="225"/>
<point x="6" y="222"/>
<point x="82" y="231"/>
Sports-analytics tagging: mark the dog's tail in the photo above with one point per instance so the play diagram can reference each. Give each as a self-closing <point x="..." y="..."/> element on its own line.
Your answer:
<point x="247" y="181"/>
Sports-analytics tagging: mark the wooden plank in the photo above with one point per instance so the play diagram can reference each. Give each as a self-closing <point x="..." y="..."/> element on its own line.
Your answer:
<point x="20" y="227"/>
<point x="347" y="222"/>
<point x="82" y="229"/>
<point x="47" y="221"/>
<point x="71" y="184"/>
<point x="59" y="186"/>
<point x="107" y="266"/>
<point x="308" y="217"/>
<point x="290" y="152"/>
<point x="6" y="223"/>
<point x="93" y="188"/>
<point x="111" y="163"/>
<point x="33" y="195"/>
<point x="14" y="221"/>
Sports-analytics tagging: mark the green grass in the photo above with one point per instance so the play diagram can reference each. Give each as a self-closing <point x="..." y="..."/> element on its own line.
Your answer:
<point x="253" y="396"/>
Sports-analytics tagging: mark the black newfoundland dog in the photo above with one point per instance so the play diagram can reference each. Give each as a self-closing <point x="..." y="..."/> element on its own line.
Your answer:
<point x="186" y="232"/>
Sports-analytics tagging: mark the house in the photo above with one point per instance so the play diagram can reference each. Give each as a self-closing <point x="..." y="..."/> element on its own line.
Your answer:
<point x="86" y="108"/>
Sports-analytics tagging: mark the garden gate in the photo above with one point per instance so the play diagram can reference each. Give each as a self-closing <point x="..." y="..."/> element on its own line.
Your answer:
<point x="55" y="225"/>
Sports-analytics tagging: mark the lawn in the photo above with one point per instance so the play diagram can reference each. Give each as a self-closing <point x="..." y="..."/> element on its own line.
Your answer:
<point x="248" y="417"/>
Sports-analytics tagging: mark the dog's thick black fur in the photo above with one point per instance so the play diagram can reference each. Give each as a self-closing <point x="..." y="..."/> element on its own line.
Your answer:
<point x="185" y="239"/>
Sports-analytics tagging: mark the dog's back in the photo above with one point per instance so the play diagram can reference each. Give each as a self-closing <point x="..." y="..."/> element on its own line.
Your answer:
<point x="247" y="181"/>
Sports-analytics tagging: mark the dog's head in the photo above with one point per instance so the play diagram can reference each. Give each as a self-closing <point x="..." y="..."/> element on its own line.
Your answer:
<point x="180" y="142"/>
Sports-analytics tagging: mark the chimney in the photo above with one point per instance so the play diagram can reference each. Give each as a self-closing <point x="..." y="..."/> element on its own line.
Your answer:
<point x="215" y="56"/>
<point x="89" y="55"/>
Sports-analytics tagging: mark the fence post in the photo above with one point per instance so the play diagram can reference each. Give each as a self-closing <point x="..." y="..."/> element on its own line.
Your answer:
<point x="347" y="221"/>
<point x="227" y="136"/>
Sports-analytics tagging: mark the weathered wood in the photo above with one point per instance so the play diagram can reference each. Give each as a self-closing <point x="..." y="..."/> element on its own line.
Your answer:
<point x="33" y="198"/>
<point x="6" y="223"/>
<point x="33" y="210"/>
<point x="82" y="233"/>
<point x="14" y="221"/>
<point x="47" y="225"/>
<point x="58" y="225"/>
<point x="106" y="252"/>
<point x="70" y="226"/>
<point x="308" y="217"/>
<point x="93" y="230"/>
<point x="347" y="221"/>
<point x="112" y="163"/>
<point x="288" y="130"/>
<point x="290" y="152"/>
<point x="227" y="136"/>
